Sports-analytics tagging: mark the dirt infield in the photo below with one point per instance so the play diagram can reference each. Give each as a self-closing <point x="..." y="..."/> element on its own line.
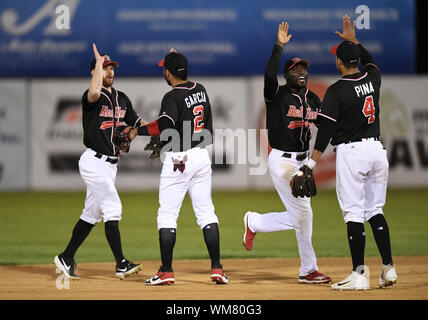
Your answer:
<point x="250" y="279"/>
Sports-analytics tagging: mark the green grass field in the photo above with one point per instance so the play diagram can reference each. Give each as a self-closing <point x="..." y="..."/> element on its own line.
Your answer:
<point x="35" y="226"/>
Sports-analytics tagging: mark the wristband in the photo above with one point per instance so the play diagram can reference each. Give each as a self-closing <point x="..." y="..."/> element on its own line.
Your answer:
<point x="311" y="163"/>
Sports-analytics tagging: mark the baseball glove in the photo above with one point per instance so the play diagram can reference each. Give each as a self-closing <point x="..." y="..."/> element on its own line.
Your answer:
<point x="309" y="181"/>
<point x="303" y="183"/>
<point x="297" y="184"/>
<point x="121" y="138"/>
<point x="155" y="146"/>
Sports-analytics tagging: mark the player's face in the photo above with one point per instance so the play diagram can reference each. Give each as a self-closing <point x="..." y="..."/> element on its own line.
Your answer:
<point x="297" y="77"/>
<point x="108" y="77"/>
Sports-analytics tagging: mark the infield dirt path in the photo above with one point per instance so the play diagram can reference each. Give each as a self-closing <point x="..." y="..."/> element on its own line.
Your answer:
<point x="250" y="279"/>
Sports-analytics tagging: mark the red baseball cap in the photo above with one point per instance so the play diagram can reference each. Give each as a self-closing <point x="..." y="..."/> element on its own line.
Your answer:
<point x="107" y="62"/>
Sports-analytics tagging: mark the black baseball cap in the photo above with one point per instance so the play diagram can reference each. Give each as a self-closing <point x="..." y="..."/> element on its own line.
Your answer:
<point x="174" y="62"/>
<point x="346" y="51"/>
<point x="290" y="64"/>
<point x="107" y="61"/>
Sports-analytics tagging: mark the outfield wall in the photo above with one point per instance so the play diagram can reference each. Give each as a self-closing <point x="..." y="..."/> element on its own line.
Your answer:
<point x="41" y="132"/>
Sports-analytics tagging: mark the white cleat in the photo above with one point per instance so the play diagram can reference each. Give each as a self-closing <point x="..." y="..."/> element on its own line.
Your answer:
<point x="388" y="276"/>
<point x="355" y="281"/>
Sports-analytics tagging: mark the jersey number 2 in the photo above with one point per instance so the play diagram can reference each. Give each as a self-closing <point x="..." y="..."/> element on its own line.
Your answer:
<point x="198" y="124"/>
<point x="369" y="109"/>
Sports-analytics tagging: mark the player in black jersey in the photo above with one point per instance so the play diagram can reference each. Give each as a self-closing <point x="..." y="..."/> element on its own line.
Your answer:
<point x="290" y="111"/>
<point x="103" y="109"/>
<point x="185" y="118"/>
<point x="350" y="118"/>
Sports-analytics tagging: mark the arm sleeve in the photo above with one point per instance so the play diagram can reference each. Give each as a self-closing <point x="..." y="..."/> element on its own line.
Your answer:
<point x="368" y="62"/>
<point x="169" y="108"/>
<point x="326" y="130"/>
<point x="85" y="103"/>
<point x="131" y="117"/>
<point x="330" y="106"/>
<point x="271" y="71"/>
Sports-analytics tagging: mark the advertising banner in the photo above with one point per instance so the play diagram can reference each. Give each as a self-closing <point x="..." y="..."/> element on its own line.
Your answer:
<point x="54" y="37"/>
<point x="13" y="135"/>
<point x="57" y="134"/>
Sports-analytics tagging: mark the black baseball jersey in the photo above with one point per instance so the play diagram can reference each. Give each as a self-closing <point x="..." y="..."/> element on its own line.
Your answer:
<point x="188" y="107"/>
<point x="98" y="119"/>
<point x="288" y="115"/>
<point x="353" y="103"/>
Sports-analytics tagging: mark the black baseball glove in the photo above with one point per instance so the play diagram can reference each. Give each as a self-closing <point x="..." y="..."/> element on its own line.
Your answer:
<point x="309" y="181"/>
<point x="303" y="183"/>
<point x="121" y="138"/>
<point x="155" y="146"/>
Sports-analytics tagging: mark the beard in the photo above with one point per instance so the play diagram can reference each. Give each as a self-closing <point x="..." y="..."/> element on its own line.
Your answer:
<point x="107" y="82"/>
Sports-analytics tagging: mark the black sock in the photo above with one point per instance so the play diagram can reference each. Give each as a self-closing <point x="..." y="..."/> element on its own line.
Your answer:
<point x="166" y="241"/>
<point x="357" y="242"/>
<point x="114" y="240"/>
<point x="80" y="232"/>
<point x="212" y="240"/>
<point x="381" y="234"/>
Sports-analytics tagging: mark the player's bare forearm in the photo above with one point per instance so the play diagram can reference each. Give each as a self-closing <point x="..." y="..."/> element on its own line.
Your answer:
<point x="97" y="77"/>
<point x="316" y="155"/>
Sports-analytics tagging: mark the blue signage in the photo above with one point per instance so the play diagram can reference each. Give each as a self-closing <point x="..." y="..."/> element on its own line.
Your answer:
<point x="54" y="37"/>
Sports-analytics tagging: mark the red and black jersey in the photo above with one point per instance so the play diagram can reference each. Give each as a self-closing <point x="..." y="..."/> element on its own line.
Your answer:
<point x="99" y="119"/>
<point x="188" y="107"/>
<point x="352" y="103"/>
<point x="288" y="115"/>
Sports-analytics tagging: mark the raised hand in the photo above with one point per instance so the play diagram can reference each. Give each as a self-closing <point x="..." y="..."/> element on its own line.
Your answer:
<point x="98" y="57"/>
<point x="348" y="33"/>
<point x="283" y="37"/>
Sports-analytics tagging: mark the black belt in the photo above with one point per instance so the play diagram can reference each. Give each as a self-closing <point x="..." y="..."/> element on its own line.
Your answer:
<point x="299" y="157"/>
<point x="111" y="160"/>
<point x="363" y="139"/>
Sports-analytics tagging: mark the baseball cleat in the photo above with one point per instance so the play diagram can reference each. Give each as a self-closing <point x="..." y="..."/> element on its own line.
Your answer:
<point x="355" y="281"/>
<point x="161" y="278"/>
<point x="388" y="276"/>
<point x="314" y="277"/>
<point x="66" y="266"/>
<point x="218" y="276"/>
<point x="126" y="268"/>
<point x="249" y="235"/>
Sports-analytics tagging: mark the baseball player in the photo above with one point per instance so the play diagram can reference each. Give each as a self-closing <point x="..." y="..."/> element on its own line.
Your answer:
<point x="291" y="109"/>
<point x="185" y="113"/>
<point x="103" y="108"/>
<point x="350" y="118"/>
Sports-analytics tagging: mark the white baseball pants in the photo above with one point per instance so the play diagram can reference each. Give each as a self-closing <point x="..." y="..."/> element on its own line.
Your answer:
<point x="361" y="179"/>
<point x="298" y="216"/>
<point x="195" y="179"/>
<point x="102" y="199"/>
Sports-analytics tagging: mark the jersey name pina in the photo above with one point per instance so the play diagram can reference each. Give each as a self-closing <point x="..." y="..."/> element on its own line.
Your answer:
<point x="99" y="120"/>
<point x="188" y="107"/>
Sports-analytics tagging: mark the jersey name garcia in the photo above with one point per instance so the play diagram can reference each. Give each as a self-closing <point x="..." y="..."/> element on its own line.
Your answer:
<point x="188" y="107"/>
<point x="99" y="119"/>
<point x="353" y="103"/>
